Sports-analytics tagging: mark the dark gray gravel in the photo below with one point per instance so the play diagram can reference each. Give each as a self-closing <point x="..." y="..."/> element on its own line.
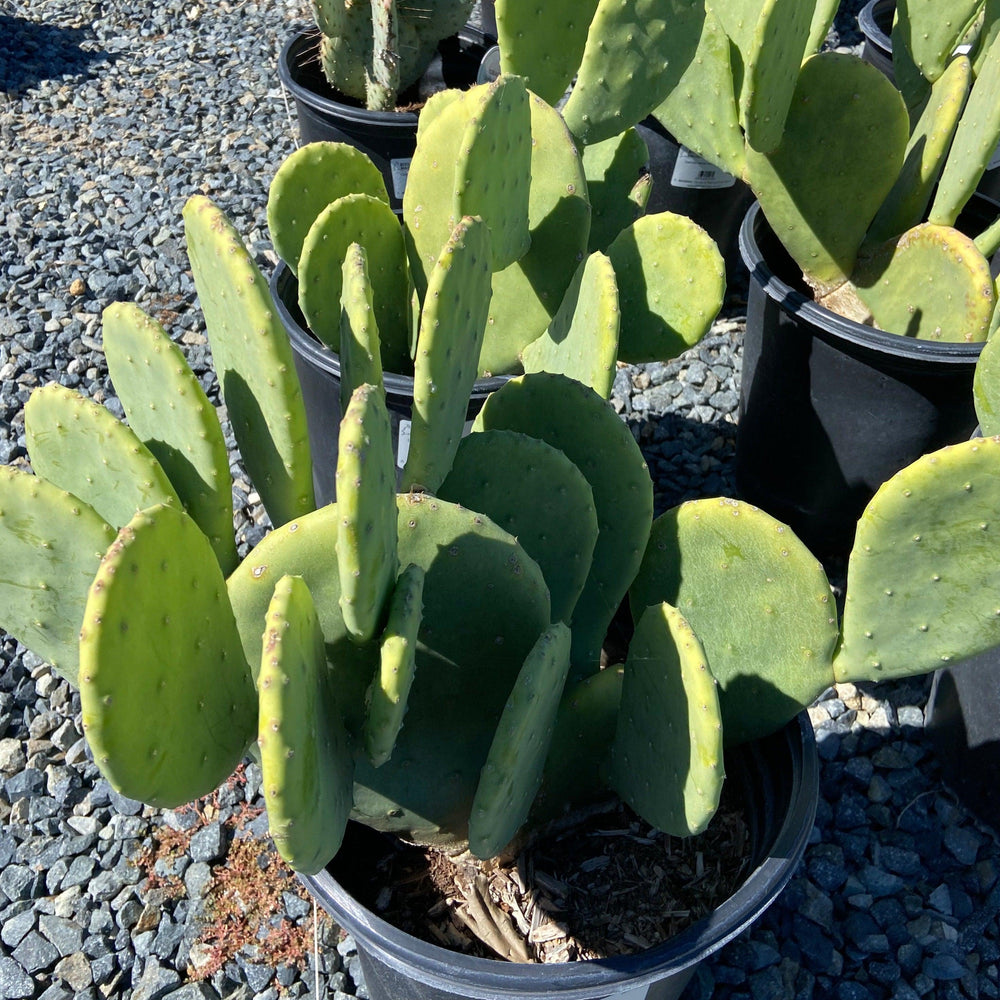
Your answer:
<point x="112" y="113"/>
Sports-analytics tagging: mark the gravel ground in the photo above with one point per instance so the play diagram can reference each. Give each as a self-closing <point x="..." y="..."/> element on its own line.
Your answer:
<point x="111" y="116"/>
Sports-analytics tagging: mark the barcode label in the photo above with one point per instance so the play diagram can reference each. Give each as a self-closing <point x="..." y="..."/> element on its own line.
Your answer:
<point x="403" y="441"/>
<point x="400" y="171"/>
<point x="693" y="171"/>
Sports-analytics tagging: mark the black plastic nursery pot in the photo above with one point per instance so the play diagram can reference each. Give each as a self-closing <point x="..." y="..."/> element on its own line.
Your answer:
<point x="829" y="408"/>
<point x="686" y="184"/>
<point x="388" y="138"/>
<point x="778" y="781"/>
<point x="875" y="22"/>
<point x="318" y="369"/>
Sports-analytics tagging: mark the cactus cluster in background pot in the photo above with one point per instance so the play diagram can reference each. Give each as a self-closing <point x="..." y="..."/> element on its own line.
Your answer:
<point x="862" y="183"/>
<point x="429" y="662"/>
<point x="372" y="50"/>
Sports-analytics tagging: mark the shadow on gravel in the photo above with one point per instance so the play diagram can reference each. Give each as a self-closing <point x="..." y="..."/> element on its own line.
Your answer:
<point x="32" y="51"/>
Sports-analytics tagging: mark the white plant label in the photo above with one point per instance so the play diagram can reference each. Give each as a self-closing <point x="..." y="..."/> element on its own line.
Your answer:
<point x="403" y="441"/>
<point x="995" y="161"/>
<point x="694" y="171"/>
<point x="400" y="171"/>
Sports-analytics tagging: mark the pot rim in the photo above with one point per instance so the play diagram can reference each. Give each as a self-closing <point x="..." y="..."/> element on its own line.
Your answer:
<point x="869" y="26"/>
<point x="317" y="354"/>
<point x="876" y="341"/>
<point x="492" y="979"/>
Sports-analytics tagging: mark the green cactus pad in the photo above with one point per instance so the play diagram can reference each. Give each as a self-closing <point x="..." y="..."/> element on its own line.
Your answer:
<point x="575" y="420"/>
<point x="823" y="14"/>
<point x="527" y="294"/>
<point x="366" y="502"/>
<point x="582" y="339"/>
<point x="932" y="284"/>
<point x="931" y="30"/>
<point x="307" y="181"/>
<point x="986" y="388"/>
<point x="912" y="84"/>
<point x="577" y="770"/>
<point x="485" y="602"/>
<point x="820" y="197"/>
<point x="434" y="106"/>
<point x="357" y="218"/>
<point x="906" y="203"/>
<point x="772" y="37"/>
<point x="987" y="35"/>
<point x="922" y="581"/>
<point x="988" y="241"/>
<point x="360" y="345"/>
<point x="389" y="691"/>
<point x="493" y="170"/>
<point x="51" y="544"/>
<point x="382" y="73"/>
<point x="636" y="52"/>
<point x="452" y="325"/>
<point x="666" y="762"/>
<point x="613" y="168"/>
<point x="671" y="283"/>
<point x="513" y="769"/>
<point x="84" y="449"/>
<point x="253" y="359"/>
<point x="701" y="111"/>
<point x="536" y="493"/>
<point x="169" y="411"/>
<point x="975" y="142"/>
<point x="307" y="768"/>
<point x="526" y="31"/>
<point x="169" y="707"/>
<point x="756" y="598"/>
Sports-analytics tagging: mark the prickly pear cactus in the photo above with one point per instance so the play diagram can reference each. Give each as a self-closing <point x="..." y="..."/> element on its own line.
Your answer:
<point x="51" y="544"/>
<point x="666" y="762"/>
<point x="613" y="168"/>
<point x="83" y="448"/>
<point x="253" y="360"/>
<point x="575" y="420"/>
<point x="309" y="179"/>
<point x="389" y="692"/>
<point x="366" y="504"/>
<point x="931" y="30"/>
<point x="169" y="411"/>
<point x="661" y="318"/>
<point x="986" y="386"/>
<point x="756" y="598"/>
<point x="307" y="767"/>
<point x="922" y="581"/>
<point x="513" y="769"/>
<point x="360" y="343"/>
<point x="582" y="339"/>
<point x="159" y="642"/>
<point x="537" y="494"/>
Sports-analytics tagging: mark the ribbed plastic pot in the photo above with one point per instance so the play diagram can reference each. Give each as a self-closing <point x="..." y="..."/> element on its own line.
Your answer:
<point x="777" y="779"/>
<point x="686" y="184"/>
<point x="875" y="22"/>
<point x="829" y="408"/>
<point x="388" y="138"/>
<point x="318" y="369"/>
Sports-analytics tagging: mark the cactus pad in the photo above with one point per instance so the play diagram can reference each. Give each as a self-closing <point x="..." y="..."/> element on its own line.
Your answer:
<point x="986" y="388"/>
<point x="671" y="283"/>
<point x="360" y="345"/>
<point x="820" y="197"/>
<point x="306" y="763"/>
<point x="582" y="339"/>
<point x="526" y="31"/>
<point x="159" y="644"/>
<point x="307" y="181"/>
<point x="389" y="690"/>
<point x="756" y="598"/>
<point x="575" y="420"/>
<point x="169" y="411"/>
<point x="366" y="505"/>
<point x="513" y="768"/>
<point x="932" y="284"/>
<point x="923" y="577"/>
<point x="51" y="544"/>
<point x="83" y="448"/>
<point x="452" y="325"/>
<point x="536" y="493"/>
<point x="357" y="218"/>
<point x="613" y="168"/>
<point x="931" y="31"/>
<point x="666" y="762"/>
<point x="636" y="52"/>
<point x="253" y="359"/>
